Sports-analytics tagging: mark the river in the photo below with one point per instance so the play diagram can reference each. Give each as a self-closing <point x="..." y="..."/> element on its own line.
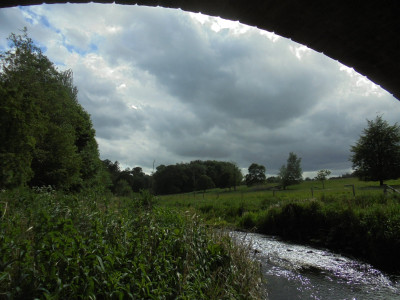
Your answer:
<point x="301" y="272"/>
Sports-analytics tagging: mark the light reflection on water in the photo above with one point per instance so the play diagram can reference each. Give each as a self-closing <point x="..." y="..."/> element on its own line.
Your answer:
<point x="302" y="272"/>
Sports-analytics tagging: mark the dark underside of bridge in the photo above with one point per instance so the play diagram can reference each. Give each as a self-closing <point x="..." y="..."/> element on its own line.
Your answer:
<point x="361" y="34"/>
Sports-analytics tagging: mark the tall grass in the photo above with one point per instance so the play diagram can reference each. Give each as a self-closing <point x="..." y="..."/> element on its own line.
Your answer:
<point x="55" y="246"/>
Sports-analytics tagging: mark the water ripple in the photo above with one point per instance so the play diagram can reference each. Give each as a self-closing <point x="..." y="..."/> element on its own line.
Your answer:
<point x="301" y="272"/>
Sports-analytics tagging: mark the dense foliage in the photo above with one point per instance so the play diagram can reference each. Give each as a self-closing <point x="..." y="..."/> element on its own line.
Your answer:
<point x="47" y="138"/>
<point x="125" y="182"/>
<point x="256" y="174"/>
<point x="376" y="155"/>
<point x="196" y="175"/>
<point x="91" y="247"/>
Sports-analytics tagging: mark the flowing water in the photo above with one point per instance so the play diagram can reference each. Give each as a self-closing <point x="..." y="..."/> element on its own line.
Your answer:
<point x="302" y="272"/>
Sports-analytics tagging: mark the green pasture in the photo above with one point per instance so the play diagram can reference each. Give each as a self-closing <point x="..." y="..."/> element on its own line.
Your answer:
<point x="227" y="205"/>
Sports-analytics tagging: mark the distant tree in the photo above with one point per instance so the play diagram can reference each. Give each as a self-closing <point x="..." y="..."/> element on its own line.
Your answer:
<point x="272" y="179"/>
<point x="140" y="181"/>
<point x="184" y="177"/>
<point x="114" y="171"/>
<point x="376" y="155"/>
<point x="347" y="175"/>
<point x="204" y="183"/>
<point x="292" y="172"/>
<point x="172" y="179"/>
<point x="122" y="188"/>
<point x="256" y="174"/>
<point x="195" y="169"/>
<point x="322" y="175"/>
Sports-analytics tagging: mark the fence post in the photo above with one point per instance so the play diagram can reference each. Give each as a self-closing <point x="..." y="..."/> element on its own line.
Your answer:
<point x="312" y="192"/>
<point x="354" y="191"/>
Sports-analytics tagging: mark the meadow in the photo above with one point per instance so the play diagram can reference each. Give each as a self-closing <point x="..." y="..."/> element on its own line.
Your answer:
<point x="95" y="246"/>
<point x="350" y="216"/>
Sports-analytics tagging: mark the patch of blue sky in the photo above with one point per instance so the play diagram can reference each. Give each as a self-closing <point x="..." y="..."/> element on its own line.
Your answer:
<point x="93" y="47"/>
<point x="60" y="64"/>
<point x="73" y="49"/>
<point x="33" y="18"/>
<point x="28" y="15"/>
<point x="42" y="48"/>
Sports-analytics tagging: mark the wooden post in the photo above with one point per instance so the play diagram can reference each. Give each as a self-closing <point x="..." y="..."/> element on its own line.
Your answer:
<point x="354" y="190"/>
<point x="312" y="193"/>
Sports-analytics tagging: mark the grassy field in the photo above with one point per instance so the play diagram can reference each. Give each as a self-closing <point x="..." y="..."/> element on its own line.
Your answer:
<point x="227" y="206"/>
<point x="91" y="246"/>
<point x="364" y="223"/>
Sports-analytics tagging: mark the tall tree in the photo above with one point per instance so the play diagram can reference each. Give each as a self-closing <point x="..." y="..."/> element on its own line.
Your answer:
<point x="292" y="172"/>
<point x="47" y="137"/>
<point x="376" y="155"/>
<point x="256" y="174"/>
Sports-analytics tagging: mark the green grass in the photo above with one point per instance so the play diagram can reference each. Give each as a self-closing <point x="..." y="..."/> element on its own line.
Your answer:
<point x="229" y="205"/>
<point x="89" y="246"/>
<point x="366" y="225"/>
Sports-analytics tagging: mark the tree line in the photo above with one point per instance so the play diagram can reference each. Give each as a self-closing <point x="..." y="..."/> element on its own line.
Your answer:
<point x="173" y="179"/>
<point x="196" y="176"/>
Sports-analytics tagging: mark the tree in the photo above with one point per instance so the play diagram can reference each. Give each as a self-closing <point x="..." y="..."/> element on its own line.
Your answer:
<point x="256" y="174"/>
<point x="291" y="173"/>
<point x="322" y="176"/>
<point x="204" y="182"/>
<point x="376" y="155"/>
<point x="46" y="136"/>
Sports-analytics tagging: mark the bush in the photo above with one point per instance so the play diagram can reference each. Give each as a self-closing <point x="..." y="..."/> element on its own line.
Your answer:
<point x="367" y="227"/>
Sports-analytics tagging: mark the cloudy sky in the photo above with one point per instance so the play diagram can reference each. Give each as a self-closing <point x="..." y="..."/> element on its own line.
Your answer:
<point x="169" y="86"/>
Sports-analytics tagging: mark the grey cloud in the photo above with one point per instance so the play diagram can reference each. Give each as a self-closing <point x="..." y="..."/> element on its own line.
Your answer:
<point x="229" y="77"/>
<point x="212" y="95"/>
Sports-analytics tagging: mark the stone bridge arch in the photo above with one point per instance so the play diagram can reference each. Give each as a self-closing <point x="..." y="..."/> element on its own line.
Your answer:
<point x="364" y="35"/>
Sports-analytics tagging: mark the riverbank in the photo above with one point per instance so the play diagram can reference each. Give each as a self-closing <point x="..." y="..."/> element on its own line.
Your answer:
<point x="348" y="216"/>
<point x="92" y="246"/>
<point x="364" y="227"/>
